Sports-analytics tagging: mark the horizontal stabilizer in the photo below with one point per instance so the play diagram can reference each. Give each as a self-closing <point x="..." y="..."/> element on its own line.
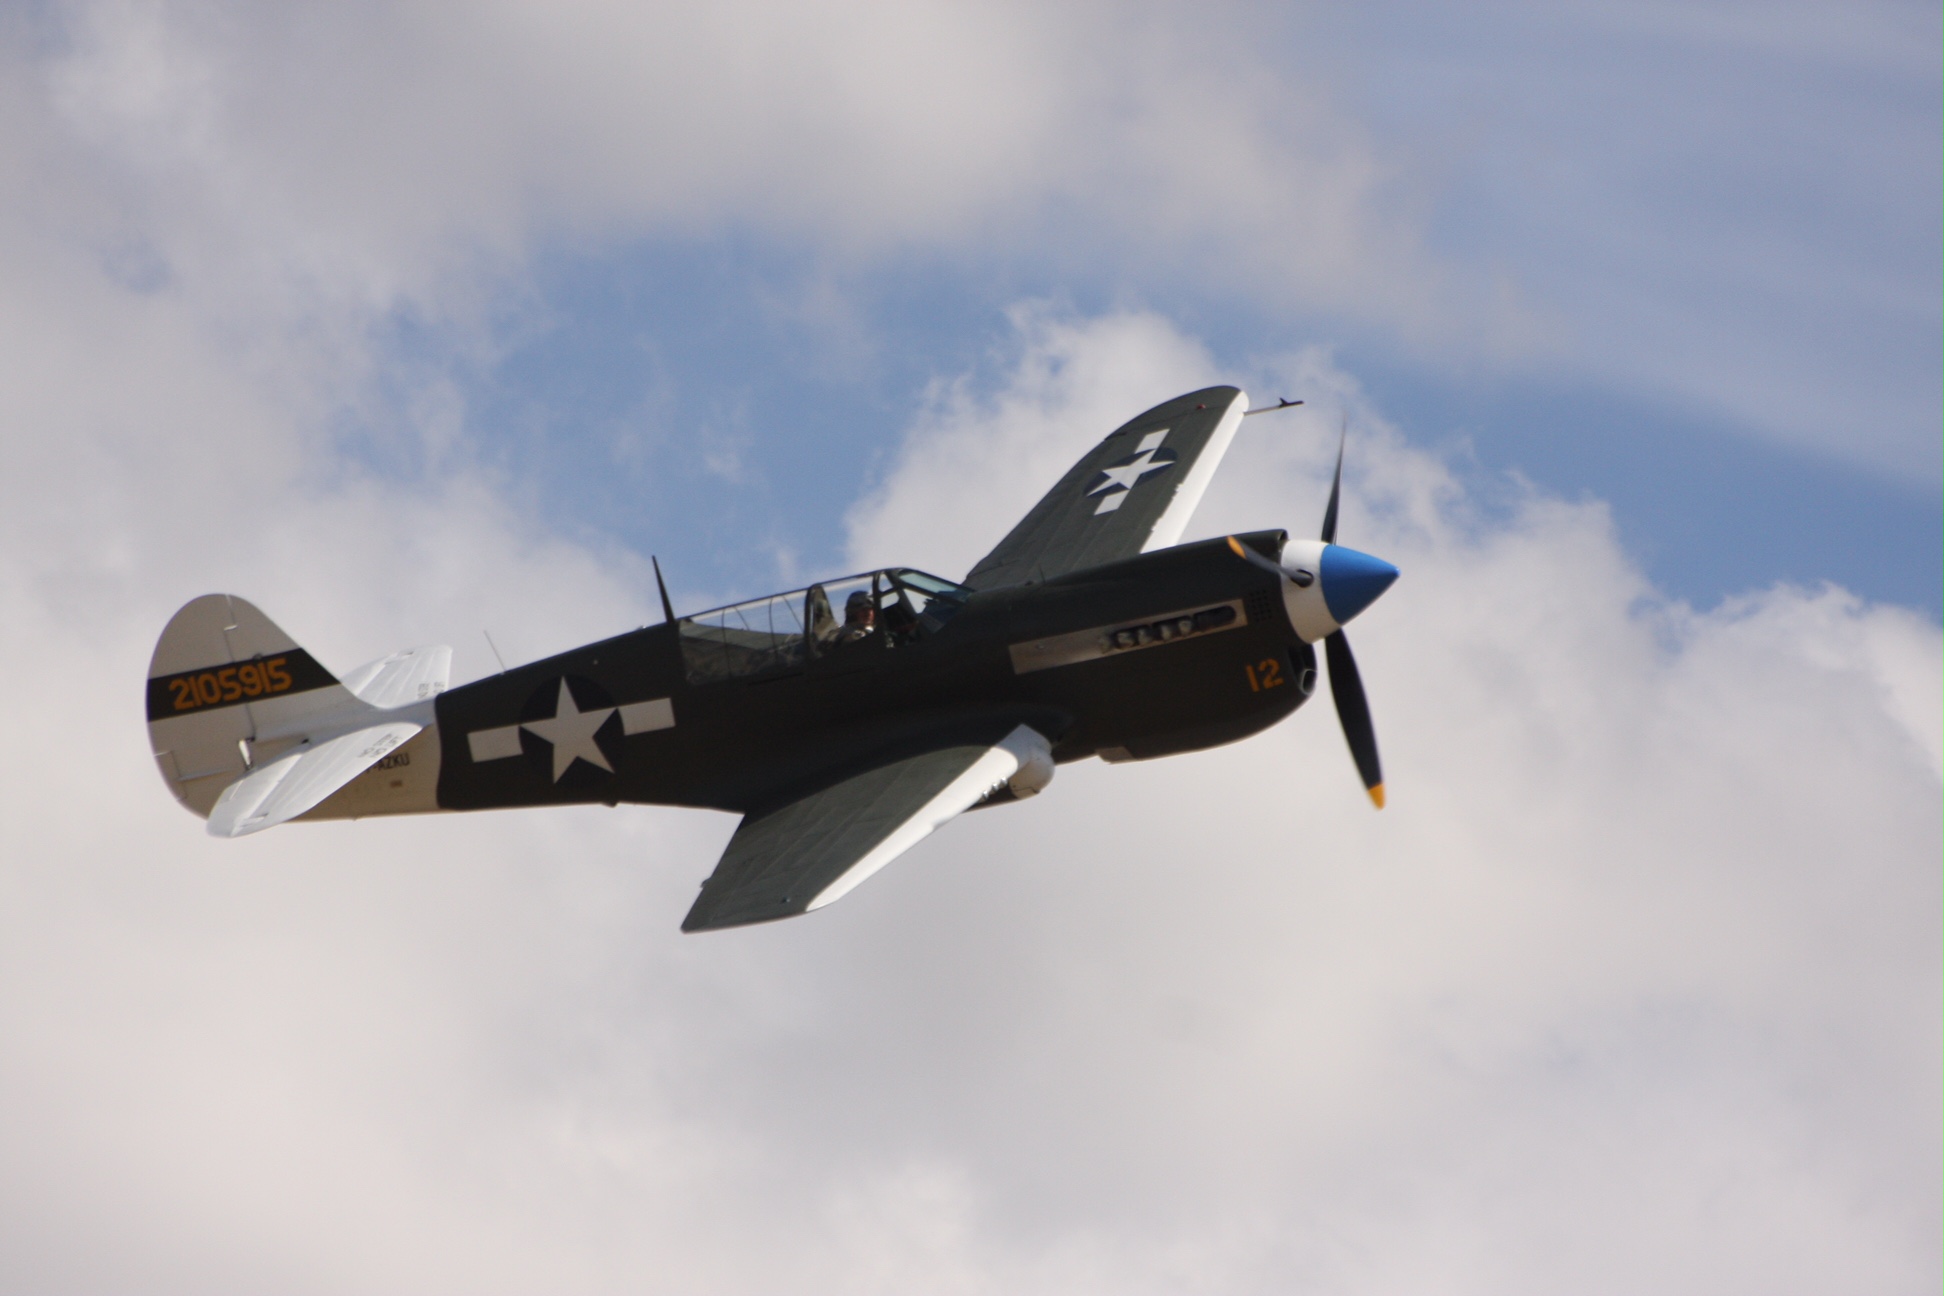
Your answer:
<point x="402" y="678"/>
<point x="298" y="780"/>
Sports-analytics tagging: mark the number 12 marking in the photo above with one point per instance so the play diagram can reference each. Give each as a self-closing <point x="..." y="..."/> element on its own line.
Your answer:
<point x="1265" y="674"/>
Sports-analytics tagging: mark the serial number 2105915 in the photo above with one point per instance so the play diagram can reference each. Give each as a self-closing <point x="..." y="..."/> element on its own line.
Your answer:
<point x="230" y="684"/>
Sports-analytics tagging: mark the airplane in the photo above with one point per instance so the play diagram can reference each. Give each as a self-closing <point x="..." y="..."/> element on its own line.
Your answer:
<point x="844" y="722"/>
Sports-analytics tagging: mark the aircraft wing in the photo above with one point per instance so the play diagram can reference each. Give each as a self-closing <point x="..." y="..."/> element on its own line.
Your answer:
<point x="1134" y="492"/>
<point x="803" y="855"/>
<point x="298" y="780"/>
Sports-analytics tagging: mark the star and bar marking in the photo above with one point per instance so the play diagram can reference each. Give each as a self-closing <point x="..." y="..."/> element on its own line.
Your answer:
<point x="571" y="731"/>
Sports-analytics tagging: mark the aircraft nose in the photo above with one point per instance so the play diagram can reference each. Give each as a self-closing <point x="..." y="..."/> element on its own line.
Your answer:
<point x="1352" y="580"/>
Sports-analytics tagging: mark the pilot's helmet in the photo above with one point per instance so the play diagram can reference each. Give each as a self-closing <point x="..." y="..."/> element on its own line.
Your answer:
<point x="857" y="605"/>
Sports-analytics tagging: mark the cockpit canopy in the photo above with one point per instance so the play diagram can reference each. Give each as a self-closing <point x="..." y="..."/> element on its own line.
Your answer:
<point x="878" y="610"/>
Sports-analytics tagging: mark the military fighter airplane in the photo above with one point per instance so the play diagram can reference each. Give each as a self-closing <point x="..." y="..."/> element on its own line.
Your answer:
<point x="844" y="722"/>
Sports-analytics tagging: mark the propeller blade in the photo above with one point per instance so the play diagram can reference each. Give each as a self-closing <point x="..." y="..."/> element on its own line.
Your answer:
<point x="1336" y="488"/>
<point x="1346" y="687"/>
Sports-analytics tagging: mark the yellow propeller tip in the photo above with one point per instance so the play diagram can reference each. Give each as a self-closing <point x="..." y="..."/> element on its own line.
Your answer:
<point x="1377" y="796"/>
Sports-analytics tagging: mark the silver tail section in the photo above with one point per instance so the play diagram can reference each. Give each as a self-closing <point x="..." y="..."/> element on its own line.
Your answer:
<point x="250" y="730"/>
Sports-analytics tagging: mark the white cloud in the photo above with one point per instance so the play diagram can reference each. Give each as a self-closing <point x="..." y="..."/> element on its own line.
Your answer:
<point x="977" y="460"/>
<point x="365" y="150"/>
<point x="1634" y="983"/>
<point x="1722" y="209"/>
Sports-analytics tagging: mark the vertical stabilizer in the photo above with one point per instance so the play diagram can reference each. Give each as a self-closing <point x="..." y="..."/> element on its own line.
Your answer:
<point x="228" y="691"/>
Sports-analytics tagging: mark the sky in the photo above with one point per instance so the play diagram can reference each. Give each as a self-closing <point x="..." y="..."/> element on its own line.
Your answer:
<point x="407" y="329"/>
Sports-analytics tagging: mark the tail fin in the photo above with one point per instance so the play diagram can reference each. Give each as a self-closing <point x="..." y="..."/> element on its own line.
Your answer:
<point x="228" y="691"/>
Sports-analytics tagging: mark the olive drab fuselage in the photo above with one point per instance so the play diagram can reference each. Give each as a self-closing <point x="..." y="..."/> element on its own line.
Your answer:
<point x="1171" y="651"/>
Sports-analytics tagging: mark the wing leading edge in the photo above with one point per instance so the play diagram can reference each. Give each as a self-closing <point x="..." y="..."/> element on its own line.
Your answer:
<point x="804" y="855"/>
<point x="1132" y="493"/>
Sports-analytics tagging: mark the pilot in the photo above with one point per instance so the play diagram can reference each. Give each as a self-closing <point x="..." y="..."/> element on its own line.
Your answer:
<point x="860" y="618"/>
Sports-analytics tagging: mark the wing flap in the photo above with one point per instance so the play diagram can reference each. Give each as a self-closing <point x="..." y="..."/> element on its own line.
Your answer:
<point x="299" y="780"/>
<point x="815" y="850"/>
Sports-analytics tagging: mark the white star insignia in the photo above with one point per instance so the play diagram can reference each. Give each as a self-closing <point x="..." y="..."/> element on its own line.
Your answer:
<point x="1123" y="477"/>
<point x="571" y="731"/>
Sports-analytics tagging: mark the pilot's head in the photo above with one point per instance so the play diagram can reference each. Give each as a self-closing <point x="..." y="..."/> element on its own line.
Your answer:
<point x="858" y="609"/>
